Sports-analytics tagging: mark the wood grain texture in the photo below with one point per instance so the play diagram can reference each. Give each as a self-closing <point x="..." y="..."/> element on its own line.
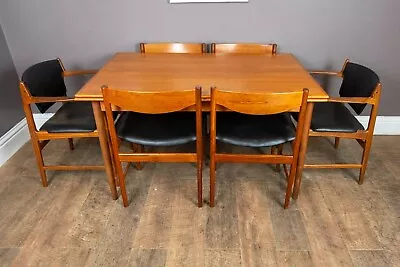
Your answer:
<point x="370" y="258"/>
<point x="74" y="221"/>
<point x="7" y="256"/>
<point x="295" y="258"/>
<point x="172" y="48"/>
<point x="171" y="72"/>
<point x="257" y="240"/>
<point x="244" y="48"/>
<point x="222" y="257"/>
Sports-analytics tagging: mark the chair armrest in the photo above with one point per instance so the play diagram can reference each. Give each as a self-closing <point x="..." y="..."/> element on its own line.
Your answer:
<point x="322" y="72"/>
<point x="78" y="72"/>
<point x="355" y="100"/>
<point x="35" y="100"/>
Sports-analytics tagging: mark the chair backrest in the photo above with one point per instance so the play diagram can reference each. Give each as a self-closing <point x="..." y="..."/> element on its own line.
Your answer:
<point x="45" y="79"/>
<point x="358" y="81"/>
<point x="244" y="48"/>
<point x="172" y="48"/>
<point x="257" y="103"/>
<point x="151" y="102"/>
<point x="260" y="104"/>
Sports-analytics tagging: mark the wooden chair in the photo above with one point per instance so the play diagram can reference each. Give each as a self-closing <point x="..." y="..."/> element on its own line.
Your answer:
<point x="153" y="121"/>
<point x="244" y="48"/>
<point x="256" y="120"/>
<point x="43" y="84"/>
<point x="172" y="48"/>
<point x="360" y="86"/>
<point x="168" y="48"/>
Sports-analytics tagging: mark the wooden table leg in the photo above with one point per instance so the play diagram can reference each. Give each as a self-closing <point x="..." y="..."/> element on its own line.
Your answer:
<point x="116" y="179"/>
<point x="303" y="149"/>
<point x="103" y="137"/>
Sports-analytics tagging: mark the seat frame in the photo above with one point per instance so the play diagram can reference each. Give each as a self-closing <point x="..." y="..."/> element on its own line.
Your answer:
<point x="40" y="138"/>
<point x="257" y="104"/>
<point x="363" y="137"/>
<point x="150" y="103"/>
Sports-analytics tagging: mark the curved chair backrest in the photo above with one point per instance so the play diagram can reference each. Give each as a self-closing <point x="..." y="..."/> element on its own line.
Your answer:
<point x="45" y="79"/>
<point x="172" y="48"/>
<point x="151" y="102"/>
<point x="244" y="48"/>
<point x="358" y="81"/>
<point x="258" y="103"/>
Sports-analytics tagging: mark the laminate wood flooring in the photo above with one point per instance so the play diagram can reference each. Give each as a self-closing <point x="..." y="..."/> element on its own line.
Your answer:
<point x="74" y="222"/>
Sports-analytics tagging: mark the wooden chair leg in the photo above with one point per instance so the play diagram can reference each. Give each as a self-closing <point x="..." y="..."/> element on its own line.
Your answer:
<point x="364" y="161"/>
<point x="121" y="178"/>
<point x="337" y="139"/>
<point x="289" y="188"/>
<point x="212" y="181"/>
<point x="274" y="151"/>
<point x="71" y="144"/>
<point x="286" y="171"/>
<point x="40" y="163"/>
<point x="303" y="150"/>
<point x="139" y="149"/>
<point x="280" y="152"/>
<point x="212" y="171"/>
<point x="200" y="160"/>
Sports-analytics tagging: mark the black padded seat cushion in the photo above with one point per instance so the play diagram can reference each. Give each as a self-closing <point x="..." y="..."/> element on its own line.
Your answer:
<point x="333" y="117"/>
<point x="70" y="118"/>
<point x="255" y="130"/>
<point x="157" y="129"/>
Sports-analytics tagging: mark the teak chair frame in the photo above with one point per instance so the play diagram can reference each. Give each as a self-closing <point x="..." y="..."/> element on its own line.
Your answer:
<point x="40" y="139"/>
<point x="154" y="103"/>
<point x="257" y="104"/>
<point x="173" y="48"/>
<point x="363" y="137"/>
<point x="244" y="48"/>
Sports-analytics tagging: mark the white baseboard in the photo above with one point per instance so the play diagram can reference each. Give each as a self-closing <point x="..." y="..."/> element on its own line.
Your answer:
<point x="17" y="136"/>
<point x="385" y="125"/>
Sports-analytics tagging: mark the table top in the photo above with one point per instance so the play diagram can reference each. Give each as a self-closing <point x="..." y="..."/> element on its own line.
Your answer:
<point x="172" y="72"/>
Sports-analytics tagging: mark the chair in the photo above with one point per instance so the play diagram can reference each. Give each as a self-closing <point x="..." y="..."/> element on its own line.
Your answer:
<point x="257" y="120"/>
<point x="244" y="48"/>
<point x="167" y="48"/>
<point x="172" y="48"/>
<point x="43" y="85"/>
<point x="360" y="86"/>
<point x="153" y="121"/>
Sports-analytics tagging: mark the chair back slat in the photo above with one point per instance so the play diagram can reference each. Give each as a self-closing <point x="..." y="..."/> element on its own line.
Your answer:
<point x="358" y="81"/>
<point x="45" y="79"/>
<point x="172" y="48"/>
<point x="149" y="102"/>
<point x="244" y="48"/>
<point x="258" y="103"/>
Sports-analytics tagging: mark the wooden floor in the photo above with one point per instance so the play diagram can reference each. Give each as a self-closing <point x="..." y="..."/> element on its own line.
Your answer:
<point x="74" y="222"/>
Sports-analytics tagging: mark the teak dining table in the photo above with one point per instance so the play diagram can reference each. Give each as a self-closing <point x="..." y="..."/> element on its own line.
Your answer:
<point x="163" y="72"/>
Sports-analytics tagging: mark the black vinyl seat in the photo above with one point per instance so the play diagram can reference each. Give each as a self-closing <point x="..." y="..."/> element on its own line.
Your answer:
<point x="255" y="130"/>
<point x="72" y="117"/>
<point x="166" y="129"/>
<point x="333" y="117"/>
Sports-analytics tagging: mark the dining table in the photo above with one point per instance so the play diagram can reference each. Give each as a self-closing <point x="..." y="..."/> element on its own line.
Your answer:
<point x="259" y="73"/>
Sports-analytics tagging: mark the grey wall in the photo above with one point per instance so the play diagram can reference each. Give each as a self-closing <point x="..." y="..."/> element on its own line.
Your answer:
<point x="10" y="100"/>
<point x="321" y="33"/>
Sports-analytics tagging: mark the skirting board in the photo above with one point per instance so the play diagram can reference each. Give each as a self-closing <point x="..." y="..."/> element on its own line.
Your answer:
<point x="17" y="136"/>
